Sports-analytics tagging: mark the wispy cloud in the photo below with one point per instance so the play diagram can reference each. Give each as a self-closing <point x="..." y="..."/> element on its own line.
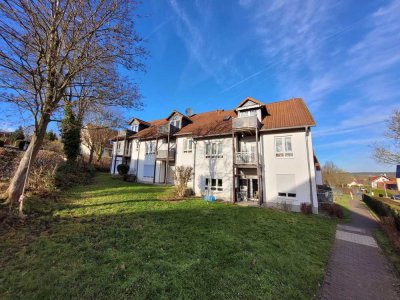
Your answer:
<point x="349" y="142"/>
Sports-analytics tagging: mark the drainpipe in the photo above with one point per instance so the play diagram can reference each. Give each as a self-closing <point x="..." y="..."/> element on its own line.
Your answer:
<point x="137" y="160"/>
<point x="115" y="155"/>
<point x="194" y="165"/>
<point x="155" y="162"/>
<point x="308" y="165"/>
<point x="233" y="167"/>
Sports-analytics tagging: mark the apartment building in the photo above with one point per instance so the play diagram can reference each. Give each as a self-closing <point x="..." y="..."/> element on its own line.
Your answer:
<point x="256" y="152"/>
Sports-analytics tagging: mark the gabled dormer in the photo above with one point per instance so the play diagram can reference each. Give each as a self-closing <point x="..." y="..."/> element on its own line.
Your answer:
<point x="250" y="107"/>
<point x="178" y="120"/>
<point x="136" y="124"/>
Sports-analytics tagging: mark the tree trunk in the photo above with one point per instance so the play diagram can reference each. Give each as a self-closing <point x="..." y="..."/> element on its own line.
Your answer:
<point x="15" y="189"/>
<point x="90" y="156"/>
<point x="99" y="154"/>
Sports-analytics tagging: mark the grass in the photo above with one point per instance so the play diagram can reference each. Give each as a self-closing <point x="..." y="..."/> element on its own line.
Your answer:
<point x="388" y="248"/>
<point x="112" y="239"/>
<point x="343" y="201"/>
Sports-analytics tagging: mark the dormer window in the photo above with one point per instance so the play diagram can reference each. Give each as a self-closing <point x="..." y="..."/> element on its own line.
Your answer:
<point x="248" y="113"/>
<point x="135" y="127"/>
<point x="175" y="121"/>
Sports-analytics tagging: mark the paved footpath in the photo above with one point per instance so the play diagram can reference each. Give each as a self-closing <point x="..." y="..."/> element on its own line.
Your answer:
<point x="357" y="268"/>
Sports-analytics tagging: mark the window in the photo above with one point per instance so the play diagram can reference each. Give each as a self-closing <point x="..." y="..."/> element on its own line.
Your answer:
<point x="248" y="113"/>
<point x="150" y="148"/>
<point x="176" y="121"/>
<point x="135" y="127"/>
<point x="213" y="184"/>
<point x="187" y="145"/>
<point x="283" y="146"/>
<point x="214" y="150"/>
<point x="148" y="170"/>
<point x="286" y="185"/>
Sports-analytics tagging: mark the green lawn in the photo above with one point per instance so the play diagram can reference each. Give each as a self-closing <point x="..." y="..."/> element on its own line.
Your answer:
<point x="117" y="240"/>
<point x="343" y="201"/>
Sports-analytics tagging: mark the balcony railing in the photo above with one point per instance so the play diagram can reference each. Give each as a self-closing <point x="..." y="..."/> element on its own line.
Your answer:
<point x="167" y="129"/>
<point x="245" y="122"/>
<point x="165" y="154"/>
<point x="246" y="158"/>
<point x="125" y="132"/>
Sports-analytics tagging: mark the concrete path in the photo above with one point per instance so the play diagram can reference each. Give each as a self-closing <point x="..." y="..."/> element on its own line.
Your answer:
<point x="357" y="268"/>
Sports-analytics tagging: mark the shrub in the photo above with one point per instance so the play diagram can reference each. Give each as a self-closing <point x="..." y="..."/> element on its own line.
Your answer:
<point x="20" y="144"/>
<point x="182" y="176"/>
<point x="1" y="143"/>
<point x="122" y="169"/>
<point x="306" y="208"/>
<point x="71" y="174"/>
<point x="332" y="209"/>
<point x="43" y="172"/>
<point x="384" y="208"/>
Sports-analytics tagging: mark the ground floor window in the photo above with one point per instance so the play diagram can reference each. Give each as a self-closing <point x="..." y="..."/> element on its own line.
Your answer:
<point x="213" y="184"/>
<point x="148" y="170"/>
<point x="286" y="185"/>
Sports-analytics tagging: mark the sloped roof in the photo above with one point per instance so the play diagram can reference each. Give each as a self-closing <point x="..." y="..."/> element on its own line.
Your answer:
<point x="287" y="114"/>
<point x="209" y="123"/>
<point x="140" y="121"/>
<point x="249" y="99"/>
<point x="292" y="113"/>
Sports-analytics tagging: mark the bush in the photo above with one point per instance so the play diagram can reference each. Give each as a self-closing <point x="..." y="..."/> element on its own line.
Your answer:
<point x="182" y="176"/>
<point x="71" y="174"/>
<point x="332" y="209"/>
<point x="1" y="143"/>
<point x="122" y="169"/>
<point x="306" y="208"/>
<point x="20" y="144"/>
<point x="43" y="172"/>
<point x="384" y="208"/>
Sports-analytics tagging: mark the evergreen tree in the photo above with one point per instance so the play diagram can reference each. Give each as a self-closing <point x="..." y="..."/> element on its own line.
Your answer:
<point x="70" y="134"/>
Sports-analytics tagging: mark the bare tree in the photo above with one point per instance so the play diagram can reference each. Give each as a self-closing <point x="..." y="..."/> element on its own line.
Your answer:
<point x="334" y="176"/>
<point x="48" y="46"/>
<point x="182" y="176"/>
<point x="389" y="153"/>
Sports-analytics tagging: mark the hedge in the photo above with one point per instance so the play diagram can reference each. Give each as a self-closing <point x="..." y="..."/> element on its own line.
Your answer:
<point x="384" y="207"/>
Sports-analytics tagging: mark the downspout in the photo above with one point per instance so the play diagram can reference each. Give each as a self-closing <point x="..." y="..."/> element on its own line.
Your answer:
<point x="260" y="200"/>
<point x="233" y="168"/>
<point x="115" y="155"/>
<point x="137" y="160"/>
<point x="308" y="165"/>
<point x="155" y="162"/>
<point x="194" y="166"/>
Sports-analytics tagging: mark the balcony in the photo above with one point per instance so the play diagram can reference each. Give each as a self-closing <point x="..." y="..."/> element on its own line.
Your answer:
<point x="246" y="158"/>
<point x="167" y="129"/>
<point x="245" y="123"/>
<point x="165" y="154"/>
<point x="125" y="133"/>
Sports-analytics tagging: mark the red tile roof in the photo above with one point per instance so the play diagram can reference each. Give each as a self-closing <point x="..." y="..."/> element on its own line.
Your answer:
<point x="285" y="114"/>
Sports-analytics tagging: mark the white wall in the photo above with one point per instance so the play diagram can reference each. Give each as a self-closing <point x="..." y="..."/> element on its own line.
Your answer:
<point x="296" y="165"/>
<point x="219" y="168"/>
<point x="318" y="177"/>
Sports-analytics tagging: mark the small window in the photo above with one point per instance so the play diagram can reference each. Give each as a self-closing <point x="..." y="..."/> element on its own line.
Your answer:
<point x="283" y="147"/>
<point x="135" y="127"/>
<point x="286" y="185"/>
<point x="148" y="170"/>
<point x="214" y="150"/>
<point x="213" y="184"/>
<point x="187" y="145"/>
<point x="150" y="148"/>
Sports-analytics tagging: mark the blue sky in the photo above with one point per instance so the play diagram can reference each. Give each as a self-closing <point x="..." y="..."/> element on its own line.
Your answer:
<point x="341" y="57"/>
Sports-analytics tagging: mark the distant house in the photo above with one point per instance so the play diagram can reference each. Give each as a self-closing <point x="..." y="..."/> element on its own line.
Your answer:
<point x="378" y="182"/>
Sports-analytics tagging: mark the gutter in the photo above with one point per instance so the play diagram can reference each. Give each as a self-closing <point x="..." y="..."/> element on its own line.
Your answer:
<point x="285" y="128"/>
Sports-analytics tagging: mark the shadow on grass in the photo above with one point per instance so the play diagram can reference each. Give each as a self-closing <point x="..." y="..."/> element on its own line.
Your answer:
<point x="188" y="250"/>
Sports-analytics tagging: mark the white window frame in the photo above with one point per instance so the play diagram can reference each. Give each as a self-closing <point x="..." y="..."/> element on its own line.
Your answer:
<point x="187" y="145"/>
<point x="289" y="192"/>
<point x="214" y="150"/>
<point x="285" y="152"/>
<point x="176" y="121"/>
<point x="150" y="148"/>
<point x="135" y="127"/>
<point x="213" y="184"/>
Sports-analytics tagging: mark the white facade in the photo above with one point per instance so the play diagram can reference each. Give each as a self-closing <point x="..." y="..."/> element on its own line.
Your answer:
<point x="286" y="164"/>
